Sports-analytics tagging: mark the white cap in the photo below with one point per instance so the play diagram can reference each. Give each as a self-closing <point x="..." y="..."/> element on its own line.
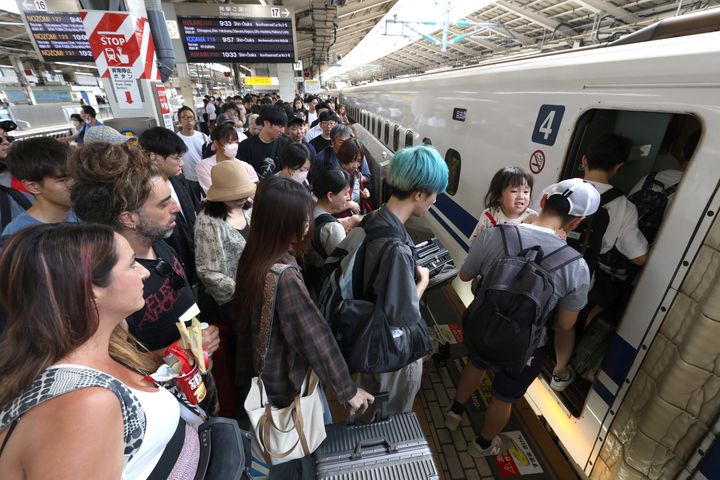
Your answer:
<point x="583" y="197"/>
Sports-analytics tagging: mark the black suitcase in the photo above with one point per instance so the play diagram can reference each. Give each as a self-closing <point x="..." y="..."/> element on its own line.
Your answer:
<point x="390" y="449"/>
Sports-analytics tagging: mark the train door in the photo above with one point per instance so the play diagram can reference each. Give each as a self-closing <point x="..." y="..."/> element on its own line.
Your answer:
<point x="662" y="145"/>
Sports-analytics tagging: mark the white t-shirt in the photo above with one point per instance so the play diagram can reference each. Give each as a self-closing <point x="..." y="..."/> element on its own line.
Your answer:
<point x="194" y="144"/>
<point x="622" y="230"/>
<point x="668" y="178"/>
<point x="311" y="117"/>
<point x="313" y="132"/>
<point x="499" y="218"/>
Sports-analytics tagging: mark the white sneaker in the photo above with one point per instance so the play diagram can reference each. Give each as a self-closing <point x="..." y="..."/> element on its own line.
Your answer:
<point x="452" y="420"/>
<point x="497" y="446"/>
<point x="560" y="382"/>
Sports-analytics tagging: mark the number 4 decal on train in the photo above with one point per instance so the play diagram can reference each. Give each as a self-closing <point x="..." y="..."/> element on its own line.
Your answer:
<point x="547" y="124"/>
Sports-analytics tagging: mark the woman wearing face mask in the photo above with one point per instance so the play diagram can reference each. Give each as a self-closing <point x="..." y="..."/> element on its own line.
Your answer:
<point x="225" y="145"/>
<point x="295" y="162"/>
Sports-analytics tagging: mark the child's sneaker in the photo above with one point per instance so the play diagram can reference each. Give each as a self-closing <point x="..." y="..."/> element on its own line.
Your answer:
<point x="497" y="446"/>
<point x="452" y="420"/>
<point x="560" y="382"/>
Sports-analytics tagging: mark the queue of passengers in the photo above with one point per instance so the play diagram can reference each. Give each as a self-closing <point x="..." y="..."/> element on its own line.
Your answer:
<point x="125" y="238"/>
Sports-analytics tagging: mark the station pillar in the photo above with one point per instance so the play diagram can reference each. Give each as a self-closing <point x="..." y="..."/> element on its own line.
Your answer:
<point x="286" y="79"/>
<point x="20" y="72"/>
<point x="186" y="84"/>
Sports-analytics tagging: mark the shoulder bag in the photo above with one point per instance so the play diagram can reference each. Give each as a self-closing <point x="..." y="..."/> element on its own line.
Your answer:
<point x="283" y="434"/>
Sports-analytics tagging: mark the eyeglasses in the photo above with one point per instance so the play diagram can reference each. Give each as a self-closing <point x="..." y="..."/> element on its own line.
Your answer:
<point x="165" y="270"/>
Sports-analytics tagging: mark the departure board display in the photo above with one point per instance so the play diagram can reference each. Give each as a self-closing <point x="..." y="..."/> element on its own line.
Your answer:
<point x="60" y="36"/>
<point x="237" y="40"/>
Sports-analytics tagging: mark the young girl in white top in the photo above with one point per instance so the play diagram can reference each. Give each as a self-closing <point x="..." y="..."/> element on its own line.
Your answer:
<point x="507" y="200"/>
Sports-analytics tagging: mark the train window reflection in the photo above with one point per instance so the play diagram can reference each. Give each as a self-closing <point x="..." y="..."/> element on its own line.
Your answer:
<point x="426" y="141"/>
<point x="386" y="133"/>
<point x="396" y="138"/>
<point x="660" y="146"/>
<point x="409" y="138"/>
<point x="454" y="163"/>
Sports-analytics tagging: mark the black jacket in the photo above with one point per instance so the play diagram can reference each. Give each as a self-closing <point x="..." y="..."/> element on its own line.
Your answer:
<point x="183" y="238"/>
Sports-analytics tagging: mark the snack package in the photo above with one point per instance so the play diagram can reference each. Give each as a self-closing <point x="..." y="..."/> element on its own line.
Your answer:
<point x="185" y="372"/>
<point x="191" y="337"/>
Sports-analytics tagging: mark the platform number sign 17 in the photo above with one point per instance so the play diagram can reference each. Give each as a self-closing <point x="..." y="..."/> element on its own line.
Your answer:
<point x="547" y="124"/>
<point x="274" y="12"/>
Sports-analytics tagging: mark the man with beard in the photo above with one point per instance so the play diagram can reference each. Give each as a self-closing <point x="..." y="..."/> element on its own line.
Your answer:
<point x="121" y="188"/>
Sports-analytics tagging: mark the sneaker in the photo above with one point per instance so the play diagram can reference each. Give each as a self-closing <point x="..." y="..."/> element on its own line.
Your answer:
<point x="560" y="383"/>
<point x="452" y="420"/>
<point x="497" y="446"/>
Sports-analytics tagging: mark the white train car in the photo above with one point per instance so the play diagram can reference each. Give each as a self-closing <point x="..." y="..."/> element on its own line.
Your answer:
<point x="651" y="410"/>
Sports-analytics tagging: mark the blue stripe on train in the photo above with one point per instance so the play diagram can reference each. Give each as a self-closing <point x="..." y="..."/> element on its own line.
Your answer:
<point x="602" y="390"/>
<point x="456" y="214"/>
<point x="452" y="233"/>
<point x="710" y="465"/>
<point x="619" y="359"/>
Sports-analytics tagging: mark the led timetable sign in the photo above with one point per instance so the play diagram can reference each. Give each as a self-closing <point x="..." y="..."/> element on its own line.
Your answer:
<point x="60" y="36"/>
<point x="233" y="40"/>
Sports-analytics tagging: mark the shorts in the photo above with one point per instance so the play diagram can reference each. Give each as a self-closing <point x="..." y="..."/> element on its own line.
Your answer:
<point x="511" y="387"/>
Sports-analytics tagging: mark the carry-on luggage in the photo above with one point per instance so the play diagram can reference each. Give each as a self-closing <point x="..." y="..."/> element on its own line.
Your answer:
<point x="392" y="449"/>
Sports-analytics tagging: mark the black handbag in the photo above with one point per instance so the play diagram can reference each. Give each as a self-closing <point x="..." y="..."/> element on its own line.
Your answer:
<point x="368" y="340"/>
<point x="224" y="448"/>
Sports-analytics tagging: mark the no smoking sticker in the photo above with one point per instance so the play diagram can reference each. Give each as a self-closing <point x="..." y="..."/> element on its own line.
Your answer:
<point x="537" y="161"/>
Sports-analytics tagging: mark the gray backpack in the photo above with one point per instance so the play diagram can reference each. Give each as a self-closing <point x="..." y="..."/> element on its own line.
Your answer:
<point x="505" y="323"/>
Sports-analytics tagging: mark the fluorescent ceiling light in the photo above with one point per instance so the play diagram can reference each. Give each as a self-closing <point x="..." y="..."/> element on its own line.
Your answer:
<point x="76" y="65"/>
<point x="376" y="45"/>
<point x="262" y="2"/>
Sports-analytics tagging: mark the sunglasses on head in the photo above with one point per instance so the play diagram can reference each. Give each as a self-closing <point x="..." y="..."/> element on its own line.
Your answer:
<point x="165" y="270"/>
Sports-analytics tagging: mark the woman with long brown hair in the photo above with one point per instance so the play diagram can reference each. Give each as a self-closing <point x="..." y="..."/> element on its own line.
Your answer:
<point x="300" y="338"/>
<point x="72" y="404"/>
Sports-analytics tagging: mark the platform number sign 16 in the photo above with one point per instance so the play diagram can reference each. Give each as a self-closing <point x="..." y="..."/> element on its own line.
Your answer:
<point x="547" y="124"/>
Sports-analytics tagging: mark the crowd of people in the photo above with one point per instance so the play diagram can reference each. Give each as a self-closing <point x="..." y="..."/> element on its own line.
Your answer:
<point x="109" y="243"/>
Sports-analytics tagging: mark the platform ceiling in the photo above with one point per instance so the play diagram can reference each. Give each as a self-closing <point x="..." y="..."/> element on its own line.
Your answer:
<point x="324" y="32"/>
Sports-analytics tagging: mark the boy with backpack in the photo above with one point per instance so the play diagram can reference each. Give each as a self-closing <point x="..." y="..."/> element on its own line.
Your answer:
<point x="372" y="294"/>
<point x="611" y="242"/>
<point x="526" y="270"/>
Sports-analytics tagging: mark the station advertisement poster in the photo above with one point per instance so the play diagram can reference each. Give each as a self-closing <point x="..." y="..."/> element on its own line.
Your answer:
<point x="312" y="86"/>
<point x="164" y="104"/>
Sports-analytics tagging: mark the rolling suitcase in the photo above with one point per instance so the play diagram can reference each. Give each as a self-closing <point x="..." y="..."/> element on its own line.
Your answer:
<point x="390" y="449"/>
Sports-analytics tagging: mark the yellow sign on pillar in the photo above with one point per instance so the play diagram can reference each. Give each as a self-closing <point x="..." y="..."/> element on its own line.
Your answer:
<point x="258" y="81"/>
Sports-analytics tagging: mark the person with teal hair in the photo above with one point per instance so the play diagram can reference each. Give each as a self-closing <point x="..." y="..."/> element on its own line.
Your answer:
<point x="416" y="176"/>
<point x="417" y="169"/>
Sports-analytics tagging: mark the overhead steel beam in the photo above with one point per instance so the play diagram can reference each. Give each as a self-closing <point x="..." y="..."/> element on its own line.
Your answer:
<point x="477" y="41"/>
<point x="361" y="7"/>
<point x="362" y="19"/>
<point x="540" y="19"/>
<point x="414" y="59"/>
<point x="598" y="6"/>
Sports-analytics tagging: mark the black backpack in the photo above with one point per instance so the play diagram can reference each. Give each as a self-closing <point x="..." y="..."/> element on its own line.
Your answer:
<point x="313" y="275"/>
<point x="506" y="321"/>
<point x="587" y="238"/>
<point x="5" y="194"/>
<point x="651" y="201"/>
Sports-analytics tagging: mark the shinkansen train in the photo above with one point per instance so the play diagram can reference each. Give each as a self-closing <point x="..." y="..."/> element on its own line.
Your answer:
<point x="652" y="410"/>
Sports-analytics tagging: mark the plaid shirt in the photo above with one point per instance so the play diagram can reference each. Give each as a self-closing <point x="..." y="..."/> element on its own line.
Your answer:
<point x="300" y="339"/>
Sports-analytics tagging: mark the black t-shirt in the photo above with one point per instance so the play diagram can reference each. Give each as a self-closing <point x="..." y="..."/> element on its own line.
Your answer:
<point x="254" y="151"/>
<point x="167" y="298"/>
<point x="320" y="143"/>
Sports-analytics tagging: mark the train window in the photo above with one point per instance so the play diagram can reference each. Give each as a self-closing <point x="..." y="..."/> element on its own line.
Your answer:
<point x="409" y="138"/>
<point x="373" y="125"/>
<point x="454" y="164"/>
<point x="661" y="146"/>
<point x="396" y="138"/>
<point x="426" y="141"/>
<point x="386" y="133"/>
